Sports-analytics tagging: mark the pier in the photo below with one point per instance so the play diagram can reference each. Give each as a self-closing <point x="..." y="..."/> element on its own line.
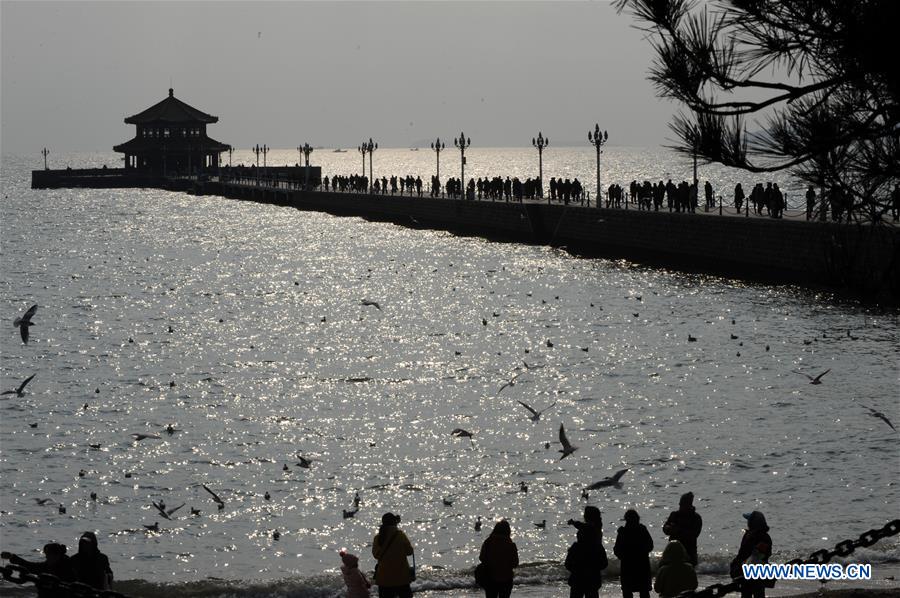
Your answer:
<point x="860" y="258"/>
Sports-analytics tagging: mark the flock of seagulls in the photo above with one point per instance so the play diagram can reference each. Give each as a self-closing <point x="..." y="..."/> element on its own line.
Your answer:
<point x="24" y="323"/>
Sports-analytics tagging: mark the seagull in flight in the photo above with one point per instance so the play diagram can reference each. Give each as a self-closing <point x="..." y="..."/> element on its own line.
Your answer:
<point x="23" y="322"/>
<point x="567" y="448"/>
<point x="371" y="303"/>
<point x="19" y="391"/>
<point x="161" y="507"/>
<point x="138" y="437"/>
<point x="510" y="382"/>
<point x="304" y="462"/>
<point x="215" y="497"/>
<point x="535" y="415"/>
<point x="612" y="480"/>
<point x="879" y="415"/>
<point x="816" y="380"/>
<point x="532" y="367"/>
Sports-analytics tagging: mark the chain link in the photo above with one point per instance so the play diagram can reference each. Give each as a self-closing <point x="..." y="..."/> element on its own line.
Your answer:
<point x="845" y="548"/>
<point x="20" y="575"/>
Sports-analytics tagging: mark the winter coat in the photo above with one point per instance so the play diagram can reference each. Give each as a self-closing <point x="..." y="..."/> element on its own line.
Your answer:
<point x="500" y="555"/>
<point x="585" y="561"/>
<point x="393" y="568"/>
<point x="676" y="574"/>
<point x="357" y="584"/>
<point x="92" y="569"/>
<point x="633" y="547"/>
<point x="685" y="525"/>
<point x="753" y="539"/>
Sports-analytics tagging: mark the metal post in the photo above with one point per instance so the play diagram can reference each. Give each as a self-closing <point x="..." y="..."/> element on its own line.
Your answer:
<point x="362" y="149"/>
<point x="540" y="143"/>
<point x="462" y="143"/>
<point x="45" y="151"/>
<point x="598" y="139"/>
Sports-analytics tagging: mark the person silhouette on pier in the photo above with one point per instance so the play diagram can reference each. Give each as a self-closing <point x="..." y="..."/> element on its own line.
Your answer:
<point x="810" y="202"/>
<point x="738" y="197"/>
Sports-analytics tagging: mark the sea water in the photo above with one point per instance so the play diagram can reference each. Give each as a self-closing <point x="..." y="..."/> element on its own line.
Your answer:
<point x="242" y="326"/>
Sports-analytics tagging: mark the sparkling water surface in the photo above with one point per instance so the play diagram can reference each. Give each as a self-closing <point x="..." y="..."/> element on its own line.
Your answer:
<point x="271" y="354"/>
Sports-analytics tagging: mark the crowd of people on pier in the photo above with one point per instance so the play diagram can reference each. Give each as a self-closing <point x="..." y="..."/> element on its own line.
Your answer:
<point x="498" y="558"/>
<point x="764" y="199"/>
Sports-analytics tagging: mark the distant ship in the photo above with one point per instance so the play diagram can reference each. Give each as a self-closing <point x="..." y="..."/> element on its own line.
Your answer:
<point x="340" y="151"/>
<point x="413" y="149"/>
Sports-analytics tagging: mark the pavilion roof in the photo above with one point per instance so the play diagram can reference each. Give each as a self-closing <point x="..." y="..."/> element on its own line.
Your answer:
<point x="171" y="110"/>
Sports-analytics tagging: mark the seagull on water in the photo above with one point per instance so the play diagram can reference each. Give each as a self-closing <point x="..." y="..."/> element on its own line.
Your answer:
<point x="374" y="304"/>
<point x="215" y="497"/>
<point x="448" y="501"/>
<point x="138" y="437"/>
<point x="478" y="523"/>
<point x="19" y="392"/>
<point x="304" y="462"/>
<point x="43" y="501"/>
<point x="816" y="380"/>
<point x="23" y="322"/>
<point x="153" y="528"/>
<point x="567" y="448"/>
<point x="532" y="367"/>
<point x="535" y="415"/>
<point x="349" y="514"/>
<point x="460" y="433"/>
<point x="541" y="525"/>
<point x="612" y="480"/>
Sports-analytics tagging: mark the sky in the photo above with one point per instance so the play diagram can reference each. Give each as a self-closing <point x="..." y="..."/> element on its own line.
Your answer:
<point x="327" y="73"/>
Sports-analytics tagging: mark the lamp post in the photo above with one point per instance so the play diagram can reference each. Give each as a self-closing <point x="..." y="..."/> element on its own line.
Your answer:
<point x="305" y="149"/>
<point x="437" y="146"/>
<point x="260" y="150"/>
<point x="462" y="143"/>
<point x="45" y="152"/>
<point x="368" y="147"/>
<point x="540" y="143"/>
<point x="598" y="139"/>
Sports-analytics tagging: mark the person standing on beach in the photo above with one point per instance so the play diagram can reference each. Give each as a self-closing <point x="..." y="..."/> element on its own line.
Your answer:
<point x="810" y="202"/>
<point x="633" y="547"/>
<point x="390" y="548"/>
<point x="585" y="560"/>
<point x="685" y="525"/>
<point x="500" y="555"/>
<point x="756" y="548"/>
<point x="92" y="566"/>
